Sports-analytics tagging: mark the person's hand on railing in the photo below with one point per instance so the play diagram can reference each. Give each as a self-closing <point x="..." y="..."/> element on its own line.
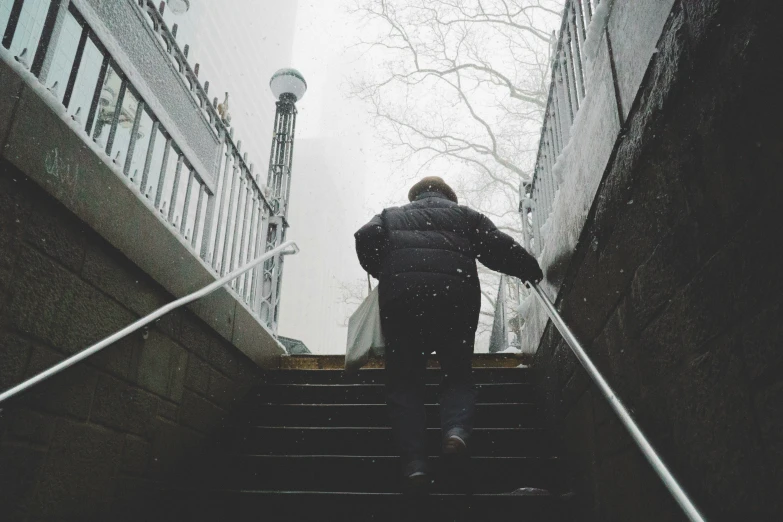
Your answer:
<point x="531" y="270"/>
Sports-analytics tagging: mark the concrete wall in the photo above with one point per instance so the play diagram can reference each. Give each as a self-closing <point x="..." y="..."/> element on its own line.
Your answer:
<point x="83" y="442"/>
<point x="82" y="256"/>
<point x="674" y="283"/>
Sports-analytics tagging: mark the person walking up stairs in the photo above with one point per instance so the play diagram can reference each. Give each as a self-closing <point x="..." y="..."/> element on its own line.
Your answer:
<point x="424" y="256"/>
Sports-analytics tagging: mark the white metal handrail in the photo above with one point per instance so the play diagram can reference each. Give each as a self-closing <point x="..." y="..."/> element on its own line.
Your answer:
<point x="660" y="468"/>
<point x="286" y="248"/>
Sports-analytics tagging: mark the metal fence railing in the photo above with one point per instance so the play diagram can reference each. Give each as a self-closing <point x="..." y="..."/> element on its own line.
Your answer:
<point x="566" y="94"/>
<point x="226" y="226"/>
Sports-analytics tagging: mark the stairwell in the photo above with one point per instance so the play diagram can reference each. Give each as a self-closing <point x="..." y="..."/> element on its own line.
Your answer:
<point x="313" y="444"/>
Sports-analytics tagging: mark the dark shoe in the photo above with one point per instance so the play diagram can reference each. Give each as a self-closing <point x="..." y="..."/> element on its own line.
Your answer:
<point x="455" y="465"/>
<point x="417" y="480"/>
<point x="454" y="445"/>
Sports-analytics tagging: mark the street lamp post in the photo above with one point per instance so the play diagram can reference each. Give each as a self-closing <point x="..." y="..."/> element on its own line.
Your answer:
<point x="288" y="86"/>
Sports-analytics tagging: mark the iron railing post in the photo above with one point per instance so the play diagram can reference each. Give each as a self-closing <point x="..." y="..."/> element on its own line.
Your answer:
<point x="49" y="34"/>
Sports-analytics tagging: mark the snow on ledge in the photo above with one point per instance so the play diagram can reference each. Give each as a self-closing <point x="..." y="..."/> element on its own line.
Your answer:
<point x="595" y="30"/>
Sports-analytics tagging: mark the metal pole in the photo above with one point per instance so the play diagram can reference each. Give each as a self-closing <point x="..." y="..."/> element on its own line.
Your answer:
<point x="279" y="179"/>
<point x="281" y="250"/>
<point x="221" y="207"/>
<point x="660" y="468"/>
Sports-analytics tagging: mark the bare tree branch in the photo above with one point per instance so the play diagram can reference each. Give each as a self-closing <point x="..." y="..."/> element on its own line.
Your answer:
<point x="459" y="88"/>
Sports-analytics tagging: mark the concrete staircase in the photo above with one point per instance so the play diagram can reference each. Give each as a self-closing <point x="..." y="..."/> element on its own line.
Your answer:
<point x="312" y="444"/>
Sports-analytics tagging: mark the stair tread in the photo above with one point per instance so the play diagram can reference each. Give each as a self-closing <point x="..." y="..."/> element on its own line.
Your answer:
<point x="246" y="505"/>
<point x="365" y="404"/>
<point x="376" y="440"/>
<point x="377" y="376"/>
<point x="337" y="361"/>
<point x="360" y="385"/>
<point x="349" y="427"/>
<point x="495" y="415"/>
<point x="368" y="473"/>
<point x="539" y="492"/>
<point x="379" y="457"/>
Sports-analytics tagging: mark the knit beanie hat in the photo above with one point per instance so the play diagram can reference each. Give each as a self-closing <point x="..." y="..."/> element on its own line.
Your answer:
<point x="432" y="184"/>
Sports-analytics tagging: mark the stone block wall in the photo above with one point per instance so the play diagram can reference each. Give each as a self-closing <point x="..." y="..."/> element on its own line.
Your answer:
<point x="88" y="440"/>
<point x="675" y="285"/>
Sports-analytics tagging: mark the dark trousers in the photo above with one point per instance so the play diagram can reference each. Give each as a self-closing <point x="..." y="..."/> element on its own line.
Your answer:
<point x="411" y="336"/>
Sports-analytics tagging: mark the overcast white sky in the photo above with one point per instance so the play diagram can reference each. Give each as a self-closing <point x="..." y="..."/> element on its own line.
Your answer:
<point x="324" y="30"/>
<point x="357" y="183"/>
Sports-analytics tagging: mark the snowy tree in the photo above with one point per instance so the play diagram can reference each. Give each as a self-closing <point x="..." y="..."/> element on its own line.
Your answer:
<point x="459" y="89"/>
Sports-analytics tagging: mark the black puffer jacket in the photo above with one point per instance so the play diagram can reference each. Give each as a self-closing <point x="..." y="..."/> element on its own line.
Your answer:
<point x="425" y="252"/>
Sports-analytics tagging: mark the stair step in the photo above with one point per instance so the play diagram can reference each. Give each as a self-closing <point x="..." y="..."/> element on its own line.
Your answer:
<point x="510" y="442"/>
<point x="241" y="506"/>
<point x="505" y="415"/>
<point x="369" y="474"/>
<point x="377" y="376"/>
<point x="337" y="362"/>
<point x="374" y="393"/>
<point x="313" y="444"/>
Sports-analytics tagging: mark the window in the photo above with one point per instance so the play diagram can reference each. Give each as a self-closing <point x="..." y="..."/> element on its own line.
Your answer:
<point x="122" y="137"/>
<point x="86" y="82"/>
<point x="143" y="135"/>
<point x="64" y="54"/>
<point x="107" y="104"/>
<point x="29" y="27"/>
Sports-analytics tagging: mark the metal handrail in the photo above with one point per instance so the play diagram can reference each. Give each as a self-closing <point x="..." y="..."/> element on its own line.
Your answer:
<point x="660" y="468"/>
<point x="286" y="248"/>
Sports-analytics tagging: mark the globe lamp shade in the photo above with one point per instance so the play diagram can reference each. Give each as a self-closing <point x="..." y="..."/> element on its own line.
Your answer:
<point x="288" y="81"/>
<point x="179" y="7"/>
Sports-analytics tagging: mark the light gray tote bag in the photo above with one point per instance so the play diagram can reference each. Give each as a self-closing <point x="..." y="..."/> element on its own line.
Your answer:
<point x="365" y="337"/>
